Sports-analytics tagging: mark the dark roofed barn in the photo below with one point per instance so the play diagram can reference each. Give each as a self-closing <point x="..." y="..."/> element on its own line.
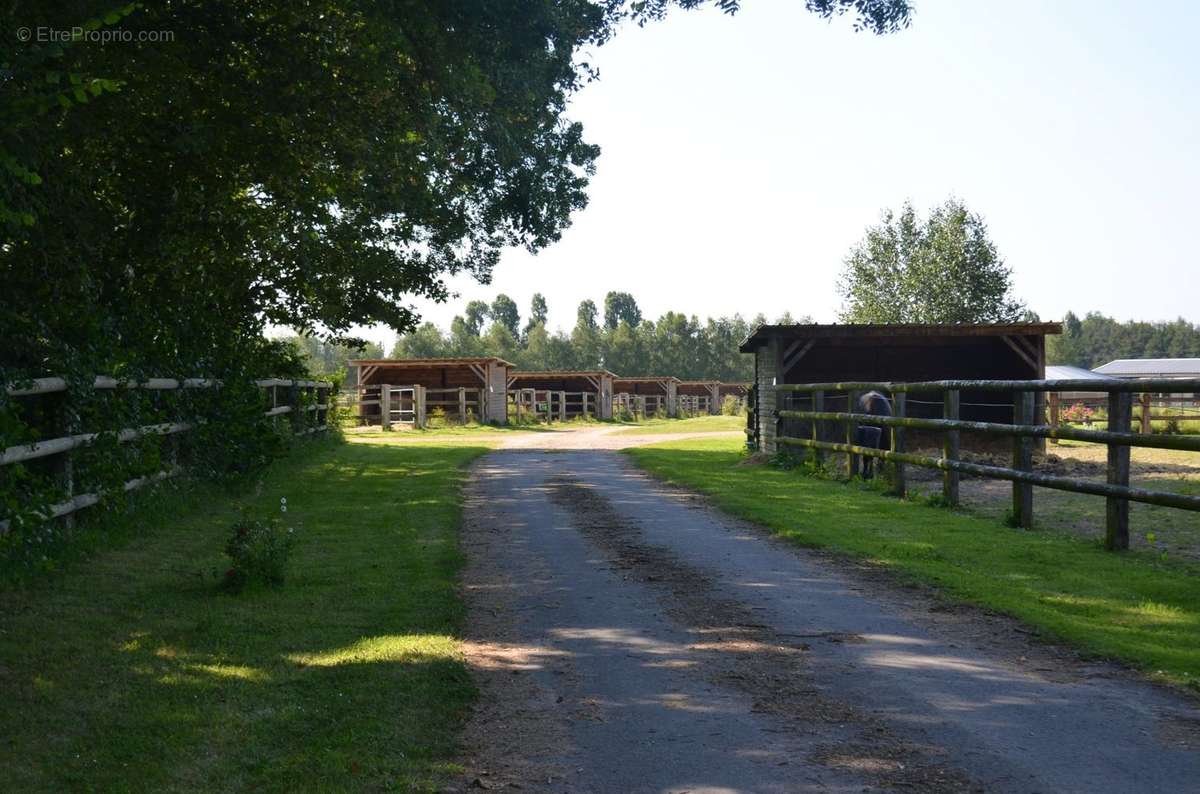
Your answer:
<point x="908" y="352"/>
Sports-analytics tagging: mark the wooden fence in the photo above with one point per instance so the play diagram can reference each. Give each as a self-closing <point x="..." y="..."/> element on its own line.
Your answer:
<point x="1176" y="409"/>
<point x="639" y="405"/>
<point x="387" y="404"/>
<point x="695" y="405"/>
<point x="550" y="405"/>
<point x="1023" y="430"/>
<point x="61" y="447"/>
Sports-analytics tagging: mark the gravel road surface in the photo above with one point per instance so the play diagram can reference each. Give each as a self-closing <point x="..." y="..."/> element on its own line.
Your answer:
<point x="627" y="638"/>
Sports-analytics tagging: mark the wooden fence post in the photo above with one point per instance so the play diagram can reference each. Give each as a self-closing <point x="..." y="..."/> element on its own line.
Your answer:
<point x="851" y="433"/>
<point x="818" y="403"/>
<point x="462" y="405"/>
<point x="950" y="448"/>
<point x="1120" y="414"/>
<point x="1144" y="399"/>
<point x="385" y="406"/>
<point x="419" y="420"/>
<point x="297" y="408"/>
<point x="1022" y="460"/>
<point x="900" y="409"/>
<point x="1055" y="408"/>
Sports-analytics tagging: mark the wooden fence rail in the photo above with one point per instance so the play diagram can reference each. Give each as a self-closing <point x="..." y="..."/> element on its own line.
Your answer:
<point x="1022" y="430"/>
<point x="63" y="445"/>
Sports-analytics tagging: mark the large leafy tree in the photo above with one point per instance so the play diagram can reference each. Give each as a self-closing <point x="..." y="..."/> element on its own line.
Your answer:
<point x="944" y="269"/>
<point x="314" y="165"/>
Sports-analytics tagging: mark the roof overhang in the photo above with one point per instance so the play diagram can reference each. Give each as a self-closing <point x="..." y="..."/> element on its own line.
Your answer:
<point x="762" y="333"/>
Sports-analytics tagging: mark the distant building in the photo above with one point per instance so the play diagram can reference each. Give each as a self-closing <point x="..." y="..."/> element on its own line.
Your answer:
<point x="1142" y="368"/>
<point x="1065" y="372"/>
<point x="1151" y="368"/>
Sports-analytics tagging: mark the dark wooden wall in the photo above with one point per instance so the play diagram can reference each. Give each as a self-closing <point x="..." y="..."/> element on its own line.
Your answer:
<point x="445" y="377"/>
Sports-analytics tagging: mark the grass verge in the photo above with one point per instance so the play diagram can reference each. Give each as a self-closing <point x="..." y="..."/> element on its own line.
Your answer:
<point x="1132" y="607"/>
<point x="132" y="671"/>
<point x="695" y="424"/>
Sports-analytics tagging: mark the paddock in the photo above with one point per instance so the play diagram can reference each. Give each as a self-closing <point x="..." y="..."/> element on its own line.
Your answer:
<point x="646" y="396"/>
<point x="412" y="391"/>
<point x="798" y="354"/>
<point x="561" y="394"/>
<point x="698" y="396"/>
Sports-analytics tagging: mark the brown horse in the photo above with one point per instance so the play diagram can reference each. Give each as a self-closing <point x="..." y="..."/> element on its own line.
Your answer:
<point x="875" y="404"/>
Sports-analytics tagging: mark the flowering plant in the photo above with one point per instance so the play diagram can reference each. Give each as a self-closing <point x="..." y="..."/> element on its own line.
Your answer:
<point x="258" y="551"/>
<point x="1078" y="413"/>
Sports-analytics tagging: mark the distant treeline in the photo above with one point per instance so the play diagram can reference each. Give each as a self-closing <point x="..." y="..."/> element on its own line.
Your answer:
<point x="1096" y="340"/>
<point x="618" y="339"/>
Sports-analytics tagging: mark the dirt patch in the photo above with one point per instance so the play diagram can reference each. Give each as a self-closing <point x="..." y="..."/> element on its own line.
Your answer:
<point x="735" y="650"/>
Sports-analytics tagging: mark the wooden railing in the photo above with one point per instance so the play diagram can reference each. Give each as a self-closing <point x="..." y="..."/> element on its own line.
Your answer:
<point x="413" y="405"/>
<point x="550" y="405"/>
<point x="694" y="404"/>
<point x="61" y="447"/>
<point x="639" y="405"/>
<point x="1023" y="430"/>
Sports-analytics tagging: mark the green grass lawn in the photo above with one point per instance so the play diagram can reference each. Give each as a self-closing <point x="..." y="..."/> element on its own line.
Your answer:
<point x="1134" y="607"/>
<point x="132" y="671"/>
<point x="695" y="424"/>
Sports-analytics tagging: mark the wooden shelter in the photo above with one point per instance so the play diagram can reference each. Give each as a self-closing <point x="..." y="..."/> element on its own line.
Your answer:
<point x="645" y="396"/>
<point x="410" y="391"/>
<point x="892" y="352"/>
<point x="562" y="394"/>
<point x="698" y="396"/>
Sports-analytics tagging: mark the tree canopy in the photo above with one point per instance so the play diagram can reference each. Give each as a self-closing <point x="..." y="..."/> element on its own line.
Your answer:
<point x="226" y="166"/>
<point x="1096" y="340"/>
<point x="944" y="269"/>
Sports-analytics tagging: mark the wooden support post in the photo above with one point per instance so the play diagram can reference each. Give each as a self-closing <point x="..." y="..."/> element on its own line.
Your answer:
<point x="419" y="406"/>
<point x="1022" y="460"/>
<point x="385" y="406"/>
<point x="851" y="434"/>
<point x="899" y="408"/>
<point x="1144" y="399"/>
<point x="1055" y="409"/>
<point x="1120" y="414"/>
<point x="562" y="405"/>
<point x="818" y="402"/>
<point x="950" y="448"/>
<point x="462" y="405"/>
<point x="297" y="408"/>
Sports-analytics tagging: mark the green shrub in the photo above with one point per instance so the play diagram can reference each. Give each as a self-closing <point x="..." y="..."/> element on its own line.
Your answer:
<point x="258" y="551"/>
<point x="731" y="406"/>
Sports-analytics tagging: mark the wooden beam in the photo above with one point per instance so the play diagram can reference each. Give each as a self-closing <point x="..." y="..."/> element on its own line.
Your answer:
<point x="1116" y="531"/>
<point x="792" y="359"/>
<point x="950" y="448"/>
<point x="1021" y="351"/>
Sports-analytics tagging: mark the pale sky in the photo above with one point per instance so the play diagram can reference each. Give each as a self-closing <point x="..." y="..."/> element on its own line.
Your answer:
<point x="743" y="156"/>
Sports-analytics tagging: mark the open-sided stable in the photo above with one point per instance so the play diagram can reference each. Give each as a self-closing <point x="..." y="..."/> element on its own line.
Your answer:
<point x="411" y="391"/>
<point x="562" y="394"/>
<point x="891" y="352"/>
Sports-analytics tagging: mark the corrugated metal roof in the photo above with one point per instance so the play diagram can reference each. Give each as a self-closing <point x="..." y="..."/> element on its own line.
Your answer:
<point x="1066" y="372"/>
<point x="1151" y="367"/>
